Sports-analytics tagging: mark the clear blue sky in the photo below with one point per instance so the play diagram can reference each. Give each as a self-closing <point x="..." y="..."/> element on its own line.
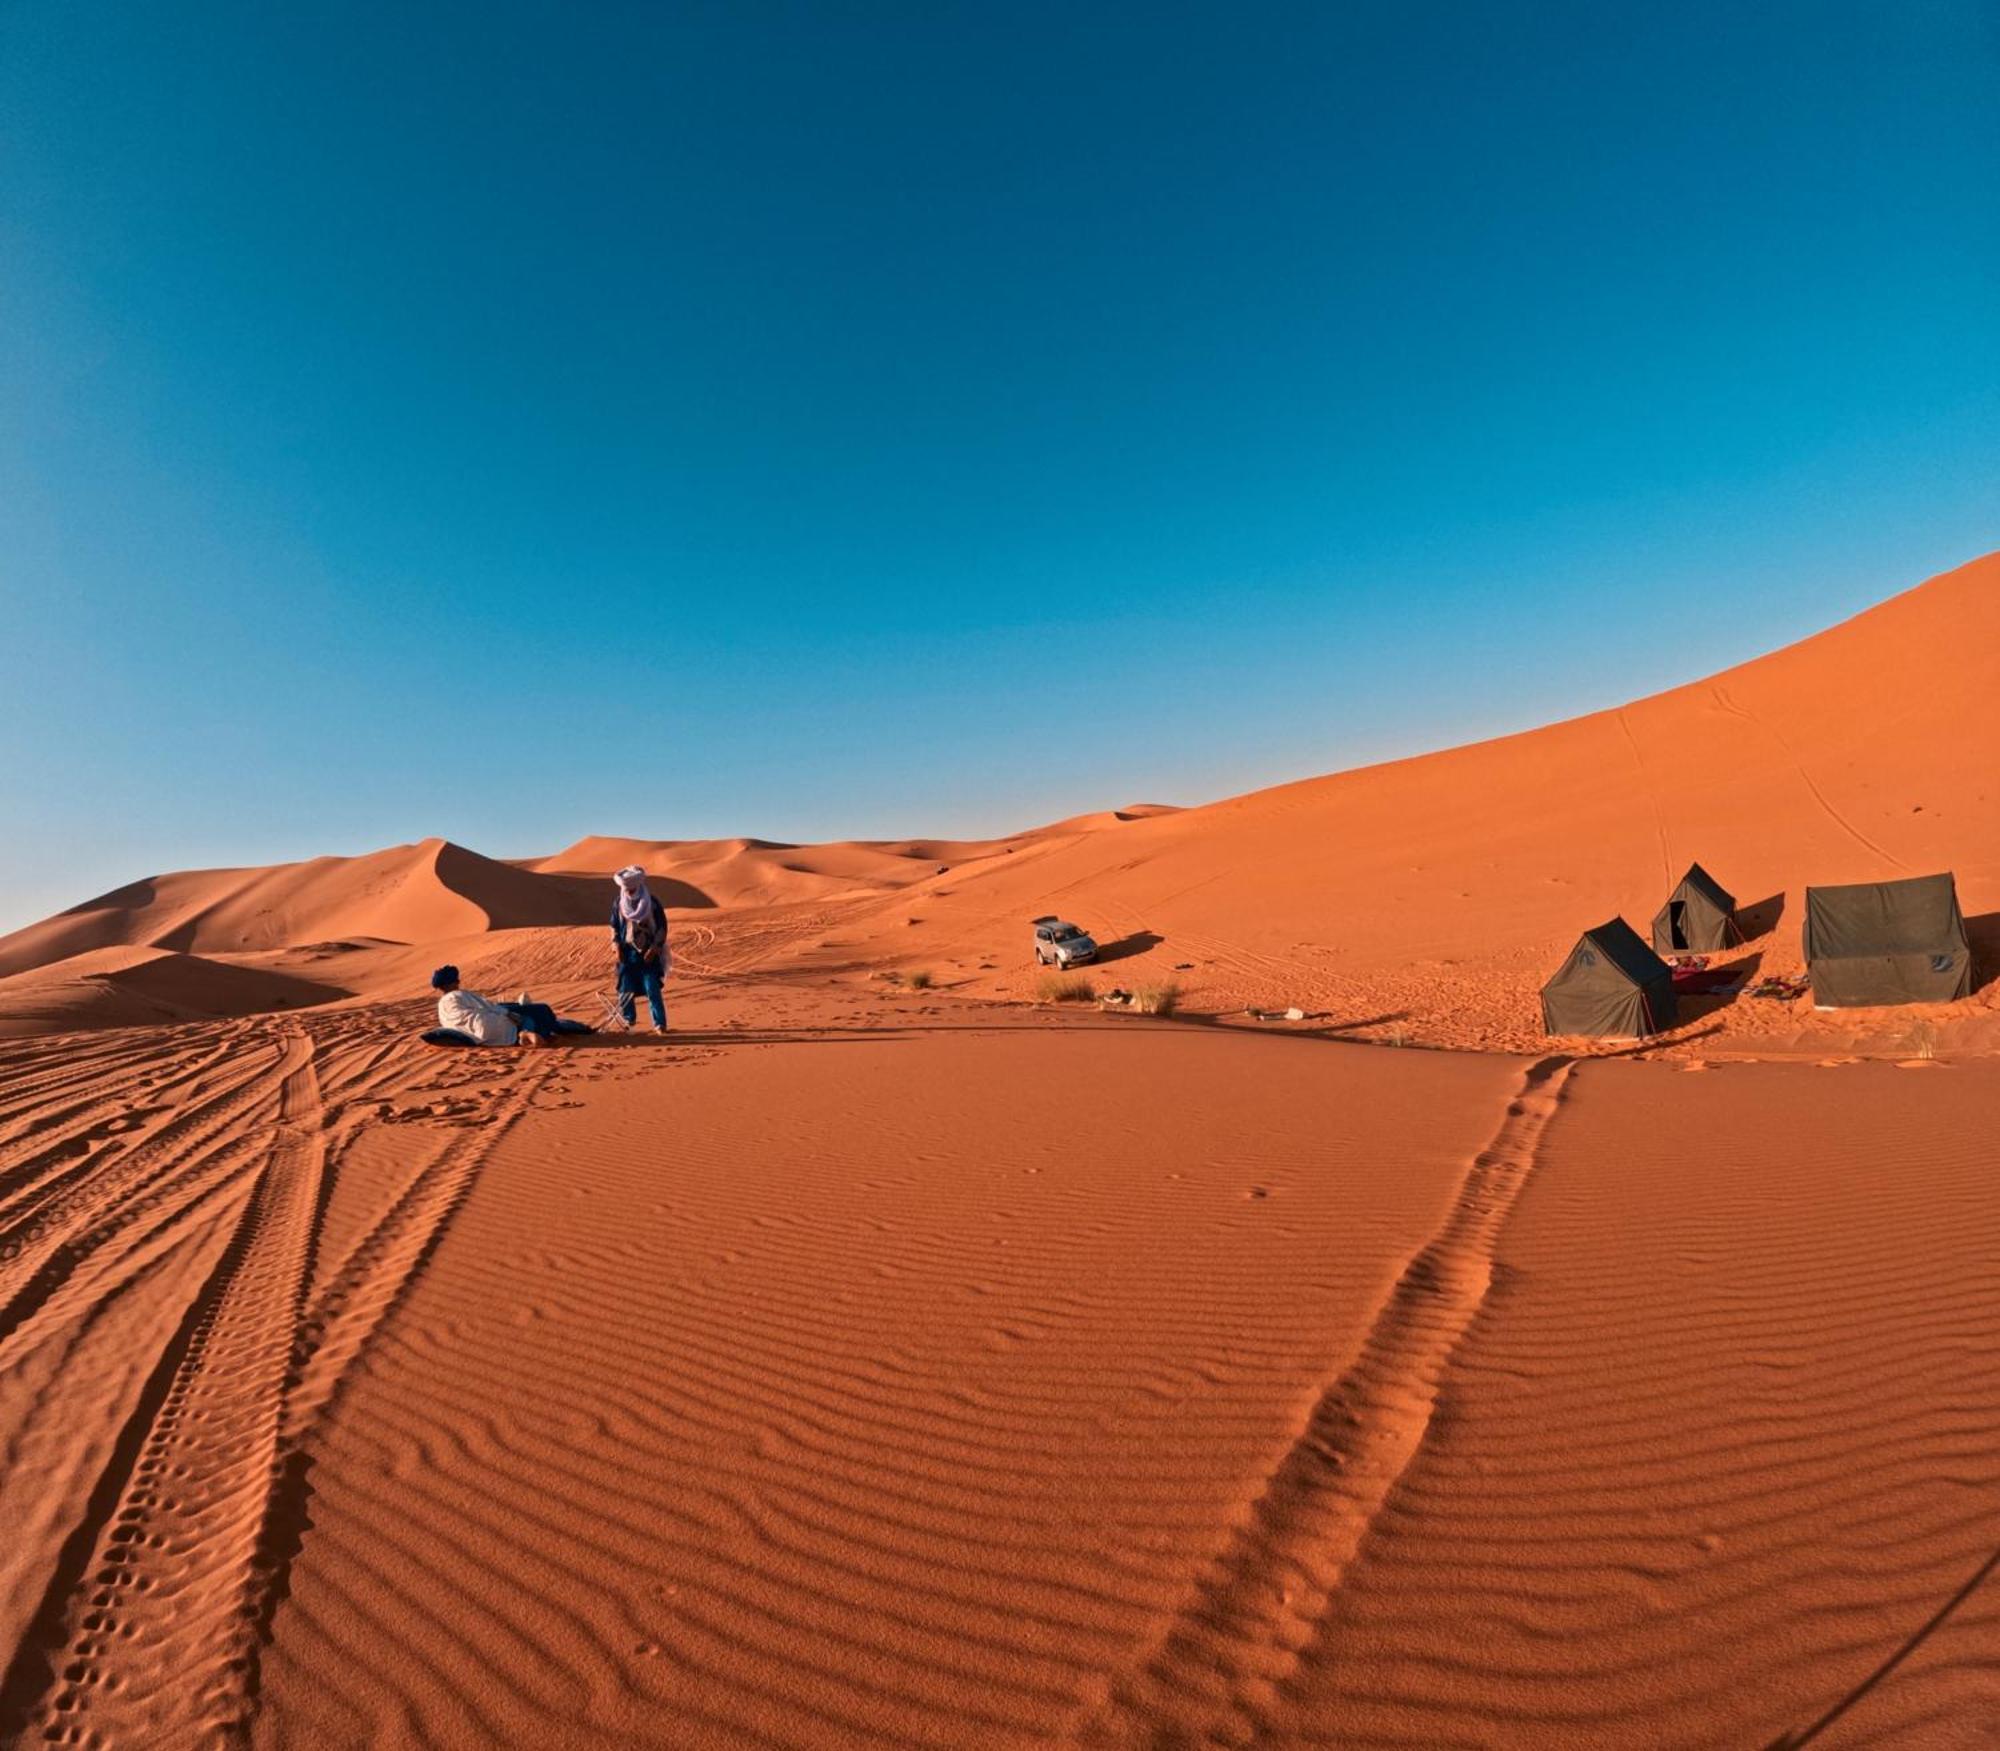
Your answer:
<point x="515" y="421"/>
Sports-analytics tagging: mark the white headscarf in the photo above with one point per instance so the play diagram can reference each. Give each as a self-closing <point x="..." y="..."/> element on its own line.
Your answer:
<point x="635" y="899"/>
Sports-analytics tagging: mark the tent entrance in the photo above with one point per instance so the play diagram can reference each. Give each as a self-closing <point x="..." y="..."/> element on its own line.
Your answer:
<point x="1677" y="916"/>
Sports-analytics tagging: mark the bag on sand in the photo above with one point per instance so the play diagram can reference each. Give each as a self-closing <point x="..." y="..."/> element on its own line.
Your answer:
<point x="446" y="1036"/>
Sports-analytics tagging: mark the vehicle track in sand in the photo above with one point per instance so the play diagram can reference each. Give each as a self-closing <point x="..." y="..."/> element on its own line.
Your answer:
<point x="1724" y="699"/>
<point x="153" y="1609"/>
<point x="1214" y="1671"/>
<point x="1652" y="796"/>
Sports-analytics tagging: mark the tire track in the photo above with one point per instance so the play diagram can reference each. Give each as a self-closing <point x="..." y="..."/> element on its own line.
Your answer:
<point x="1213" y="1674"/>
<point x="52" y="1134"/>
<point x="163" y="1644"/>
<point x="365" y="1286"/>
<point x="69" y="1224"/>
<point x="1728" y="704"/>
<point x="1652" y="793"/>
<point x="155" y="1612"/>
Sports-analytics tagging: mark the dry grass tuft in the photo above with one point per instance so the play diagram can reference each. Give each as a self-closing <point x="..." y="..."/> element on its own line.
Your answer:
<point x="1065" y="988"/>
<point x="919" y="980"/>
<point x="1157" y="999"/>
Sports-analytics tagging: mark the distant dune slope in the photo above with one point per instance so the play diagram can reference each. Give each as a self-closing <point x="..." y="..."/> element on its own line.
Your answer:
<point x="700" y="873"/>
<point x="1431" y="887"/>
<point x="409" y="893"/>
<point x="123" y="987"/>
<point x="1867" y="752"/>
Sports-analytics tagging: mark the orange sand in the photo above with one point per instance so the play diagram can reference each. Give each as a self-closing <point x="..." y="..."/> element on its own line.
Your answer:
<point x="870" y="1365"/>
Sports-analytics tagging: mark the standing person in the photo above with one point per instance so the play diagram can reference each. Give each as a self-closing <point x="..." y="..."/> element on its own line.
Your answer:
<point x="639" y="930"/>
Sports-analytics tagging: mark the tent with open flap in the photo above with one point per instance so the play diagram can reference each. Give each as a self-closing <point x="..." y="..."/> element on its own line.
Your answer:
<point x="1699" y="915"/>
<point x="1887" y="942"/>
<point x="1611" y="987"/>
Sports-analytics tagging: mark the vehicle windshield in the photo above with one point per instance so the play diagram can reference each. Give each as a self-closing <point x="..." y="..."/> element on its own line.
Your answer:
<point x="1064" y="933"/>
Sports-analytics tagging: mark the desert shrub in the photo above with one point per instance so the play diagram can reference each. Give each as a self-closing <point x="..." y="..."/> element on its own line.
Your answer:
<point x="1157" y="999"/>
<point x="920" y="980"/>
<point x="1065" y="988"/>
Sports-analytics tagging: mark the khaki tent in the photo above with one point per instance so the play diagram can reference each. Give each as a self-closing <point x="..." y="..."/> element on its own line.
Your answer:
<point x="1612" y="987"/>
<point x="1698" y="915"/>
<point x="1887" y="942"/>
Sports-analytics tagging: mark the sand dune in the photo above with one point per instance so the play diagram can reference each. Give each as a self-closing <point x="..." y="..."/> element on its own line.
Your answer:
<point x="123" y="987"/>
<point x="871" y="1364"/>
<point x="838" y="1376"/>
<point x="1444" y="889"/>
<point x="702" y="873"/>
<point x="410" y="893"/>
<point x="1427" y="898"/>
<point x="1724" y="1445"/>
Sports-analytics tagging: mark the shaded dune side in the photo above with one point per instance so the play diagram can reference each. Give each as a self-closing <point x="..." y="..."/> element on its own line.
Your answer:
<point x="1726" y="1438"/>
<point x="835" y="1393"/>
<point x="122" y="987"/>
<point x="410" y="893"/>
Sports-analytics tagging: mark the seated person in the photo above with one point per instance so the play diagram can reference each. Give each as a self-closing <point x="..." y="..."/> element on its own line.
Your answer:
<point x="493" y="1024"/>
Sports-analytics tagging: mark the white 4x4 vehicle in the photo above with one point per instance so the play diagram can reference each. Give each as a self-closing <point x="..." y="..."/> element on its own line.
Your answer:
<point x="1058" y="944"/>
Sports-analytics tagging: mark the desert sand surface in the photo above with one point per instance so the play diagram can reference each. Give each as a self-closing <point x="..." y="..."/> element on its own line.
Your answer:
<point x="869" y="1363"/>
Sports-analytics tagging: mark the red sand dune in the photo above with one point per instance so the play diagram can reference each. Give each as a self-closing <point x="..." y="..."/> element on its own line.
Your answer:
<point x="866" y="1364"/>
<point x="1427" y="897"/>
<point x="1447" y="887"/>
<point x="122" y="987"/>
<point x="409" y="893"/>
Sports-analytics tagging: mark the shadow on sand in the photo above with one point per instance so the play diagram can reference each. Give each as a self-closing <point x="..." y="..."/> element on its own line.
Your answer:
<point x="1126" y="946"/>
<point x="1761" y="919"/>
<point x="1792" y="1741"/>
<point x="1983" y="934"/>
<point x="1695" y="1005"/>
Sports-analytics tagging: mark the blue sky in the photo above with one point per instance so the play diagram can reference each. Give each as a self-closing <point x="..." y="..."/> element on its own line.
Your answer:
<point x="517" y="421"/>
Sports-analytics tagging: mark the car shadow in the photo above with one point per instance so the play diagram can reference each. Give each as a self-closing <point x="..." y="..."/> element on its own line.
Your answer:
<point x="1137" y="943"/>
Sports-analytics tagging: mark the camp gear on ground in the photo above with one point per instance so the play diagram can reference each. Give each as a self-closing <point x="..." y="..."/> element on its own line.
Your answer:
<point x="1887" y="942"/>
<point x="1612" y="987"/>
<point x="1783" y="987"/>
<point x="1699" y="914"/>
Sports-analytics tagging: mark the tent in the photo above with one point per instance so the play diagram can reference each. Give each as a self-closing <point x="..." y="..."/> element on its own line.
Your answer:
<point x="1611" y="987"/>
<point x="1887" y="942"/>
<point x="1698" y="915"/>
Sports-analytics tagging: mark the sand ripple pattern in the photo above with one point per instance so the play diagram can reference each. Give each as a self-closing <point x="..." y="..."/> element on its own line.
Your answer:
<point x="846" y="1391"/>
<point x="1215" y="1677"/>
<point x="1723" y="1446"/>
<point x="169" y="1333"/>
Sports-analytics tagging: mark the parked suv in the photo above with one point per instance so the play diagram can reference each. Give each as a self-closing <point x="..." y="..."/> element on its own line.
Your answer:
<point x="1059" y="944"/>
